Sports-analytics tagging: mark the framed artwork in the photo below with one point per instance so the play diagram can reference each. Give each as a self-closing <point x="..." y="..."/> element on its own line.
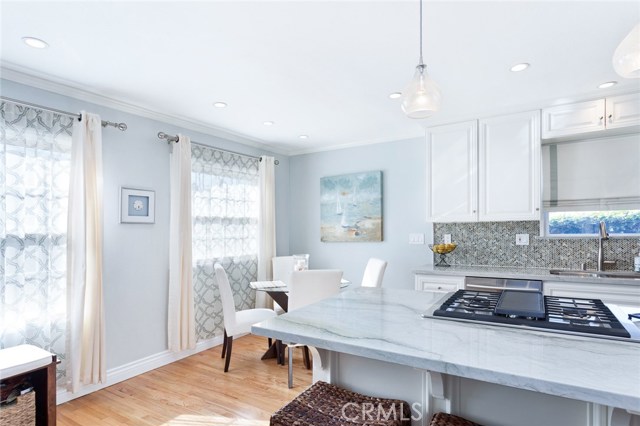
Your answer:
<point x="137" y="205"/>
<point x="351" y="207"/>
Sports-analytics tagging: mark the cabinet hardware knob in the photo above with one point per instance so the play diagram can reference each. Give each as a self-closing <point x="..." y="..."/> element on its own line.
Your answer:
<point x="439" y="287"/>
<point x="610" y="118"/>
<point x="474" y="211"/>
<point x="601" y="118"/>
<point x="537" y="209"/>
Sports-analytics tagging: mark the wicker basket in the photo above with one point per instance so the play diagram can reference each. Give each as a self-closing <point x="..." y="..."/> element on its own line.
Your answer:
<point x="444" y="419"/>
<point x="21" y="412"/>
<point x="327" y="405"/>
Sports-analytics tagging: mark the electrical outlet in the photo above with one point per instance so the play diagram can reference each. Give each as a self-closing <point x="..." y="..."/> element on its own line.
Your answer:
<point x="447" y="238"/>
<point x="416" y="238"/>
<point x="522" y="239"/>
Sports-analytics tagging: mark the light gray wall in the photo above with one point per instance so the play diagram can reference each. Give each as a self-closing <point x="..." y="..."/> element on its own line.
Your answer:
<point x="404" y="197"/>
<point x="136" y="255"/>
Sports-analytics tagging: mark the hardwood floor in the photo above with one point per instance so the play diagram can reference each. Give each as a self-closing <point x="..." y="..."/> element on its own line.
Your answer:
<point x="195" y="392"/>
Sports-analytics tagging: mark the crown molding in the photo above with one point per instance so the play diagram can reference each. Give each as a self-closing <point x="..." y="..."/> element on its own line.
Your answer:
<point x="40" y="80"/>
<point x="64" y="87"/>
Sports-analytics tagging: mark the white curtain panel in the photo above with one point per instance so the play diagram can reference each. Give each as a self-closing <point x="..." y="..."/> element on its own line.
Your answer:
<point x="35" y="157"/>
<point x="84" y="255"/>
<point x="181" y="320"/>
<point x="266" y="227"/>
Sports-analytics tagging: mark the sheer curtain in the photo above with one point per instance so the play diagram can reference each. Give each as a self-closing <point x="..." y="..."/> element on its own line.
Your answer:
<point x="84" y="255"/>
<point x="35" y="155"/>
<point x="266" y="227"/>
<point x="181" y="322"/>
<point x="225" y="229"/>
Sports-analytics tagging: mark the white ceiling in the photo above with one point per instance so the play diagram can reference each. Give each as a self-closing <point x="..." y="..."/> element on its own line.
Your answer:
<point x="321" y="68"/>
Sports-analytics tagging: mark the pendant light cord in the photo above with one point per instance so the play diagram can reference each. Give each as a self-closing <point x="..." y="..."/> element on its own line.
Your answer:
<point x="421" y="61"/>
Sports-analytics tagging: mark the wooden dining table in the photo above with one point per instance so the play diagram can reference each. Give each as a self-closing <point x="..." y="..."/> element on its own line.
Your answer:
<point x="279" y="292"/>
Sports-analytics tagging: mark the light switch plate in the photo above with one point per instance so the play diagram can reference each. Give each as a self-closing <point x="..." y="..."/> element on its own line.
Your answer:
<point x="447" y="238"/>
<point x="416" y="238"/>
<point x="522" y="239"/>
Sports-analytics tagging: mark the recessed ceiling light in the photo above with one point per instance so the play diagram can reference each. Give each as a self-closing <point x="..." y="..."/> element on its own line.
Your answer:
<point x="304" y="136"/>
<point x="607" y="84"/>
<point x="220" y="104"/>
<point x="268" y="123"/>
<point x="36" y="43"/>
<point x="520" y="67"/>
<point x="395" y="95"/>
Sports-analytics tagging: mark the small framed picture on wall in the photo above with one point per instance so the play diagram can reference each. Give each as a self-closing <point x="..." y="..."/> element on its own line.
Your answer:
<point x="137" y="205"/>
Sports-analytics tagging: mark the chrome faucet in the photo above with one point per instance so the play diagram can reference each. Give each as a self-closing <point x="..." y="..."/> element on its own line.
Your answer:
<point x="603" y="236"/>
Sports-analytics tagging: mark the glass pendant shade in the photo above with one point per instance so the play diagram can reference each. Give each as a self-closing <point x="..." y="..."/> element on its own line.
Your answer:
<point x="626" y="58"/>
<point x="421" y="98"/>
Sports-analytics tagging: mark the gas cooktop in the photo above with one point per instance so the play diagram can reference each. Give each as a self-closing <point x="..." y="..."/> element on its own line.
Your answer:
<point x="532" y="309"/>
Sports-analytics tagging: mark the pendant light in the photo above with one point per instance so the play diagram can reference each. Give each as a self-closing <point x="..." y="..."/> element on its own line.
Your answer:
<point x="421" y="98"/>
<point x="626" y="58"/>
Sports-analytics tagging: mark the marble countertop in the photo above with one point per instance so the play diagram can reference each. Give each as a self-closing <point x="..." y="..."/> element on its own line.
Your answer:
<point x="521" y="273"/>
<point x="386" y="324"/>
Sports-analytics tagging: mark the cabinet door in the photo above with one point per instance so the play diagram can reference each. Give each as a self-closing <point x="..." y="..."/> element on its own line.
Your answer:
<point x="618" y="294"/>
<point x="438" y="283"/>
<point x="452" y="184"/>
<point x="509" y="167"/>
<point x="564" y="120"/>
<point x="623" y="111"/>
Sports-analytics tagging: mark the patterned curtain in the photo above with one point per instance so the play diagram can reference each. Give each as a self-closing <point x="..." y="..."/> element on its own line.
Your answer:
<point x="35" y="159"/>
<point x="225" y="229"/>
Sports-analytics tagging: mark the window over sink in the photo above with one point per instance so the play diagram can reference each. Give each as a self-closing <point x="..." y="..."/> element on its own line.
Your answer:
<point x="619" y="222"/>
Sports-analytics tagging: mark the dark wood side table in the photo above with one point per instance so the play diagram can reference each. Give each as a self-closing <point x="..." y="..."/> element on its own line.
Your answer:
<point x="28" y="361"/>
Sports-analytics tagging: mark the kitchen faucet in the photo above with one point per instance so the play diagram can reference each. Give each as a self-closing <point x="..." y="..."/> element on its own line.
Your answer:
<point x="603" y="236"/>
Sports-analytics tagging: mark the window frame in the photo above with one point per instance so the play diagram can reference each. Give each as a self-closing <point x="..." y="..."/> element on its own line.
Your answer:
<point x="544" y="229"/>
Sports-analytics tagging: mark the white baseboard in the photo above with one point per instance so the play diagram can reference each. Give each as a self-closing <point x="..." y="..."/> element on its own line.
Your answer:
<point x="132" y="369"/>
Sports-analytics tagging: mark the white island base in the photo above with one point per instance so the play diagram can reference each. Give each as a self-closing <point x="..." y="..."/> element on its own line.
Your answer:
<point x="486" y="403"/>
<point x="374" y="341"/>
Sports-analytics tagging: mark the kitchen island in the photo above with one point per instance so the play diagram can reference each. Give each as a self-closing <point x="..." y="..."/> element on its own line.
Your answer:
<point x="375" y="341"/>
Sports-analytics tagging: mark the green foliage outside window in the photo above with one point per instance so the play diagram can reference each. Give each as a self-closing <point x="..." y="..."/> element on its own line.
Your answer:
<point x="618" y="222"/>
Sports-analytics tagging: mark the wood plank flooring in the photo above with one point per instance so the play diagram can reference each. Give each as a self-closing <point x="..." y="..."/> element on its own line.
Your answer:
<point x="195" y="392"/>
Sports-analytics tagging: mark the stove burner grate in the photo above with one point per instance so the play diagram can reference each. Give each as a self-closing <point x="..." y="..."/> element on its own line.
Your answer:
<point x="477" y="302"/>
<point x="562" y="313"/>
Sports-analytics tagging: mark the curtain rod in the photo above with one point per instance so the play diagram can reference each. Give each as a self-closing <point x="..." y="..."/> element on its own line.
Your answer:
<point x="120" y="126"/>
<point x="169" y="139"/>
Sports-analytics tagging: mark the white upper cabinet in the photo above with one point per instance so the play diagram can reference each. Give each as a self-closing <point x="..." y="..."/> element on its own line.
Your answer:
<point x="570" y="119"/>
<point x="565" y="121"/>
<point x="509" y="167"/>
<point x="623" y="111"/>
<point x="452" y="182"/>
<point x="495" y="177"/>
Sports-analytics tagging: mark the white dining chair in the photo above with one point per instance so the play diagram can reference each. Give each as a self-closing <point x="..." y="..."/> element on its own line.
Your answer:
<point x="282" y="268"/>
<point x="374" y="272"/>
<point x="305" y="288"/>
<point x="235" y="322"/>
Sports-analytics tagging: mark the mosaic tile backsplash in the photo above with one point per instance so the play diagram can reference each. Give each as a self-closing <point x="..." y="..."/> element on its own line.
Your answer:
<point x="494" y="244"/>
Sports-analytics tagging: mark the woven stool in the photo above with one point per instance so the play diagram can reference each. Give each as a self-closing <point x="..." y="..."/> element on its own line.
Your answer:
<point x="327" y="405"/>
<point x="444" y="419"/>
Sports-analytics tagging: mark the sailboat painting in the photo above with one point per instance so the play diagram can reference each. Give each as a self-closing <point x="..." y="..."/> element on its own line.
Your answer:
<point x="351" y="207"/>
